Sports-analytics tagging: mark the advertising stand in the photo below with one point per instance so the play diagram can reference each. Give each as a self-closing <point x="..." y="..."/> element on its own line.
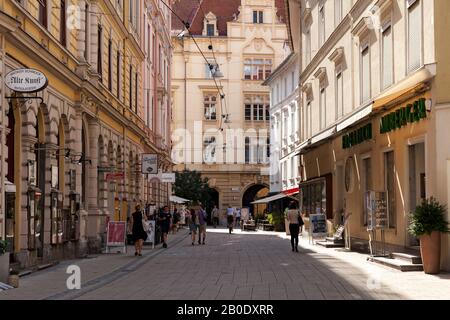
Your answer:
<point x="377" y="219"/>
<point x="150" y="230"/>
<point x="318" y="227"/>
<point x="116" y="237"/>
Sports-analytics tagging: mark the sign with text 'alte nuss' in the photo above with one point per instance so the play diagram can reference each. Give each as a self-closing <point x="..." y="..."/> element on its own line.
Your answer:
<point x="26" y="80"/>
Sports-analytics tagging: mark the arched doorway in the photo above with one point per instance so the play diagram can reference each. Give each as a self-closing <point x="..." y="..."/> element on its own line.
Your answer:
<point x="213" y="201"/>
<point x="252" y="194"/>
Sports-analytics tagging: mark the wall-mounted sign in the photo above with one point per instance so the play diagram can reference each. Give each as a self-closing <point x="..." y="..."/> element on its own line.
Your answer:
<point x="115" y="176"/>
<point x="357" y="137"/>
<point x="149" y="163"/>
<point x="26" y="80"/>
<point x="402" y="117"/>
<point x="168" y="178"/>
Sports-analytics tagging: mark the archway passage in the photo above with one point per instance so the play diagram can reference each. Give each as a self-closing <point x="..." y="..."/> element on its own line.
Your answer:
<point x="252" y="194"/>
<point x="213" y="201"/>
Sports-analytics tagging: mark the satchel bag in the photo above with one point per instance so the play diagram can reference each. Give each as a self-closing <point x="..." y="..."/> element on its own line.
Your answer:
<point x="144" y="224"/>
<point x="300" y="220"/>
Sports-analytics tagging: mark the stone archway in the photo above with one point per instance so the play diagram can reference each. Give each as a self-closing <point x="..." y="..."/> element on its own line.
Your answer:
<point x="251" y="194"/>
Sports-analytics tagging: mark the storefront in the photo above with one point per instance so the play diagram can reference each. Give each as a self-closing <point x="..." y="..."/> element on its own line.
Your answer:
<point x="386" y="153"/>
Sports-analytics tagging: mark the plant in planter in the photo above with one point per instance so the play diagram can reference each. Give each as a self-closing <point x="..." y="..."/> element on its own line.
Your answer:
<point x="13" y="279"/>
<point x="3" y="246"/>
<point x="427" y="223"/>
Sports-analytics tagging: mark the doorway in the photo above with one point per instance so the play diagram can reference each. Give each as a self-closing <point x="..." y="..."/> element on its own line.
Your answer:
<point x="417" y="181"/>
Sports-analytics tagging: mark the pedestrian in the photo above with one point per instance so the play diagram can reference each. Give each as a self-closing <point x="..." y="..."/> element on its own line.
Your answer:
<point x="194" y="225"/>
<point x="202" y="218"/>
<point x="139" y="235"/>
<point x="215" y="216"/>
<point x="238" y="217"/>
<point x="295" y="221"/>
<point x="175" y="219"/>
<point x="230" y="218"/>
<point x="165" y="220"/>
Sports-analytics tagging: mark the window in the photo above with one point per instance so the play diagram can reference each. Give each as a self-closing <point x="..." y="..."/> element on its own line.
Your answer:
<point x="308" y="118"/>
<point x="308" y="46"/>
<point x="209" y="146"/>
<point x="131" y="88"/>
<point x="43" y="16"/>
<point x="365" y="73"/>
<point x="119" y="80"/>
<point x="210" y="102"/>
<point x="387" y="56"/>
<point x="322" y="109"/>
<point x="247" y="150"/>
<point x="390" y="186"/>
<point x="257" y="108"/>
<point x="285" y="88"/>
<point x="292" y="81"/>
<point x="210" y="69"/>
<point x="258" y="17"/>
<point x="63" y="23"/>
<point x="293" y="122"/>
<point x="136" y="92"/>
<point x="414" y="34"/>
<point x="339" y="95"/>
<point x="110" y="86"/>
<point x="86" y="31"/>
<point x="257" y="69"/>
<point x="99" y="50"/>
<point x="210" y="29"/>
<point x="338" y="10"/>
<point x="367" y="184"/>
<point x="321" y="25"/>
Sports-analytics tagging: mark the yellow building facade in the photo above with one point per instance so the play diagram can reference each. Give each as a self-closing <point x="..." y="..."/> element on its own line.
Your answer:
<point x="71" y="159"/>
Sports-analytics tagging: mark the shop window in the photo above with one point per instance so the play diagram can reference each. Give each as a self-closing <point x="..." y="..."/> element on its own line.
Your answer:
<point x="316" y="197"/>
<point x="366" y="184"/>
<point x="389" y="168"/>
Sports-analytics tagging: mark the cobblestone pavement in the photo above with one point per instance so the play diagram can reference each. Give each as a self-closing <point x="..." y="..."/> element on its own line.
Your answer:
<point x="241" y="266"/>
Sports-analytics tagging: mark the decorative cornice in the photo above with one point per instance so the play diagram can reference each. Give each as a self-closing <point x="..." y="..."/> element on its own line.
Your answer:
<point x="337" y="55"/>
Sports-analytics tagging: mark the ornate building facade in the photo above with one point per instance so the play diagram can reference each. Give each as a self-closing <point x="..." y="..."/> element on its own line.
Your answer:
<point x="221" y="110"/>
<point x="71" y="160"/>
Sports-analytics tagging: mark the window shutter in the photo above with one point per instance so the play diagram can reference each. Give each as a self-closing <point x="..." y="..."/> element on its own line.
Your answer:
<point x="414" y="35"/>
<point x="387" y="57"/>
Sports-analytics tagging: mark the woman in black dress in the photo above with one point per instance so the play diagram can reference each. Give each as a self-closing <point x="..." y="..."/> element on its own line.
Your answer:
<point x="139" y="234"/>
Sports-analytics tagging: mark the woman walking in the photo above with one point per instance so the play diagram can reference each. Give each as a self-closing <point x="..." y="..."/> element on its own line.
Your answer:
<point x="139" y="234"/>
<point x="295" y="221"/>
<point x="194" y="224"/>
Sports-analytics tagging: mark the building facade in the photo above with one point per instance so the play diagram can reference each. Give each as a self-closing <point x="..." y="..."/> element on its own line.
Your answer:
<point x="373" y="111"/>
<point x="221" y="124"/>
<point x="284" y="126"/>
<point x="71" y="159"/>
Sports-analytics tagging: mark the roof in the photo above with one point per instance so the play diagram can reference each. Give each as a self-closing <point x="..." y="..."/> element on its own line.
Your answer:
<point x="191" y="11"/>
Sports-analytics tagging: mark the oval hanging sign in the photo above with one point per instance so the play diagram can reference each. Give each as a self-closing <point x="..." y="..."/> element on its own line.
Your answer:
<point x="26" y="80"/>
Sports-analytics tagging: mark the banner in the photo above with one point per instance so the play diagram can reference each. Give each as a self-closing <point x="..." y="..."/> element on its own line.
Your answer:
<point x="245" y="214"/>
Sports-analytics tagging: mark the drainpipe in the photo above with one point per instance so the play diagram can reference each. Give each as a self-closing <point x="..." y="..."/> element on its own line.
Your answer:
<point x="185" y="111"/>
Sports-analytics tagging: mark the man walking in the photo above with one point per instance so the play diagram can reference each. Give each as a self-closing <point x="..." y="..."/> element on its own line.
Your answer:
<point x="202" y="217"/>
<point x="230" y="218"/>
<point x="165" y="220"/>
<point x="215" y="216"/>
<point x="238" y="217"/>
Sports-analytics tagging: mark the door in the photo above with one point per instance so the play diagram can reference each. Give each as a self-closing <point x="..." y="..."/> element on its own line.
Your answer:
<point x="417" y="185"/>
<point x="340" y="195"/>
<point x="10" y="220"/>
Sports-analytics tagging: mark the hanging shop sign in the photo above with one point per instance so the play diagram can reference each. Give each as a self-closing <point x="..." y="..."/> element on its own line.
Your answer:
<point x="168" y="177"/>
<point x="115" y="176"/>
<point x="26" y="80"/>
<point x="402" y="117"/>
<point x="357" y="137"/>
<point x="149" y="163"/>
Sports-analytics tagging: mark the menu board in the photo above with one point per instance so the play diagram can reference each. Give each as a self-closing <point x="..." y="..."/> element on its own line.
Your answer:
<point x="318" y="225"/>
<point x="377" y="210"/>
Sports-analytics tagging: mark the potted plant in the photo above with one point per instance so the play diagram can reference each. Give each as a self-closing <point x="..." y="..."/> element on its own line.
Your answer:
<point x="4" y="261"/>
<point x="13" y="279"/>
<point x="427" y="223"/>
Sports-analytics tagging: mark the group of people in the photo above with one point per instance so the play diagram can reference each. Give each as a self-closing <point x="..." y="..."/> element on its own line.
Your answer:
<point x="197" y="221"/>
<point x="138" y="226"/>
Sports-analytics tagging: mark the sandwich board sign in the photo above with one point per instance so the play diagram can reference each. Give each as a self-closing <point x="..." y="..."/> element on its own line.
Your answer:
<point x="318" y="226"/>
<point x="116" y="236"/>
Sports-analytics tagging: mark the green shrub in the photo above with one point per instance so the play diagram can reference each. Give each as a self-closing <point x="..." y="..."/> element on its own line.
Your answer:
<point x="3" y="246"/>
<point x="428" y="217"/>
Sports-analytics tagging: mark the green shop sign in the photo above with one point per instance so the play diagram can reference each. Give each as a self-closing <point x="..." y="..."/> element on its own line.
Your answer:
<point x="401" y="117"/>
<point x="356" y="137"/>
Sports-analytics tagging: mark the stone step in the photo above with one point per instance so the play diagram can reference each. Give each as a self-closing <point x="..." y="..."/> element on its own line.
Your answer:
<point x="412" y="259"/>
<point x="398" y="264"/>
<point x="330" y="244"/>
<point x="334" y="240"/>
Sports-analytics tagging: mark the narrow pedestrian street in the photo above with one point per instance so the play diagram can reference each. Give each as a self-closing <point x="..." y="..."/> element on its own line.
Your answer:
<point x="242" y="266"/>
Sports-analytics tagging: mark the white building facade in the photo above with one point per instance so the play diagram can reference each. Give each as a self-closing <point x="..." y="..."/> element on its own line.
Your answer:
<point x="284" y="126"/>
